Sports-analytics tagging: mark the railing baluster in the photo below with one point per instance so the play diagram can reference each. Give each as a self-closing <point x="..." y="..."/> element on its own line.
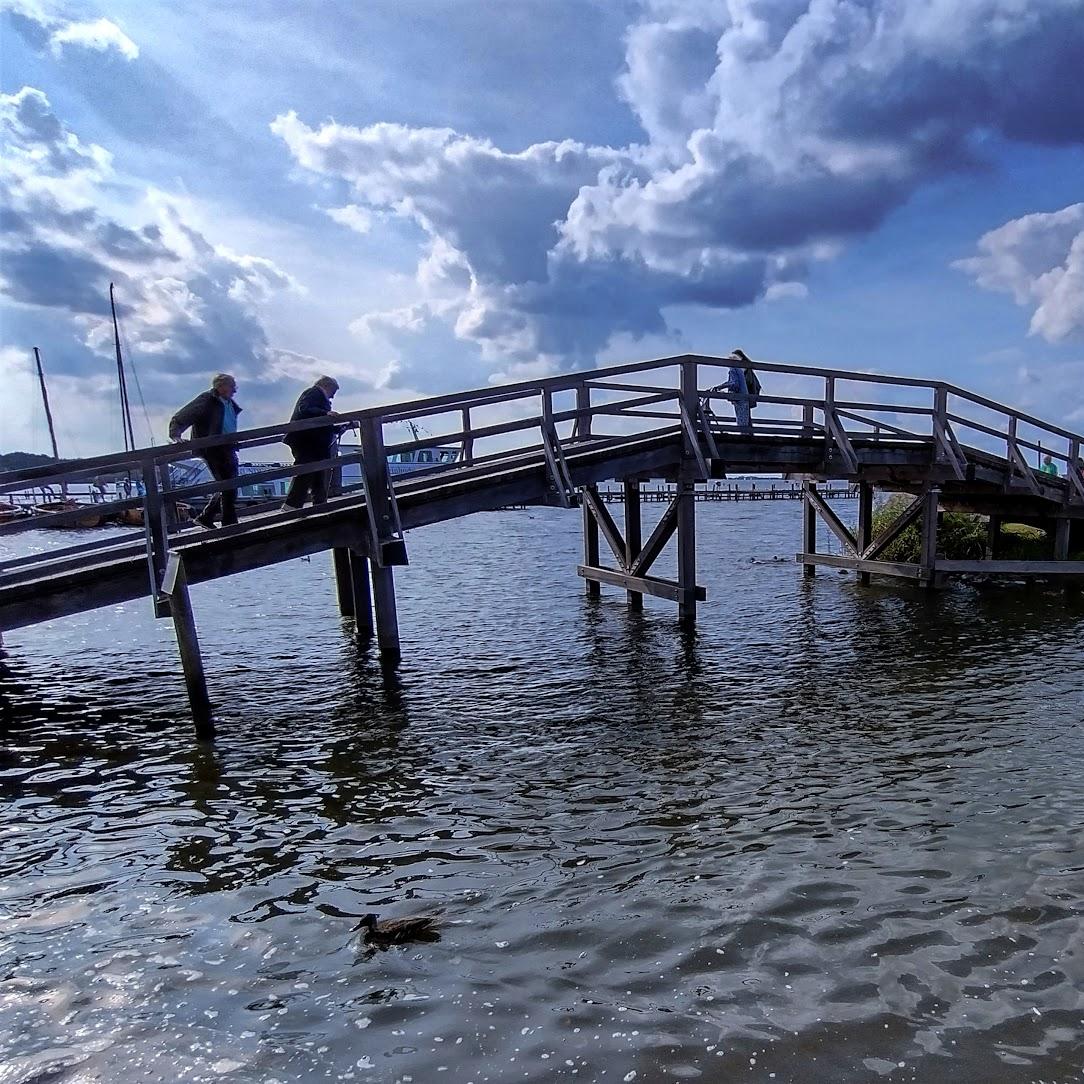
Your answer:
<point x="468" y="439"/>
<point x="154" y="528"/>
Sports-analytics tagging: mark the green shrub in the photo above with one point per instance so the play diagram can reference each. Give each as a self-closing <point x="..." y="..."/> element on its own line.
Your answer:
<point x="961" y="536"/>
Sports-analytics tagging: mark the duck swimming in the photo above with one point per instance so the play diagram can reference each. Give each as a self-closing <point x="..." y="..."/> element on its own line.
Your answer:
<point x="398" y="931"/>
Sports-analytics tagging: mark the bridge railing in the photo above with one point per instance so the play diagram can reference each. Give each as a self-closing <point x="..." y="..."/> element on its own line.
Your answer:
<point x="547" y="416"/>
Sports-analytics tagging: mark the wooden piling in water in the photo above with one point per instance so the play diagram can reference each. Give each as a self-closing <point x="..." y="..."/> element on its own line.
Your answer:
<point x="361" y="594"/>
<point x="928" y="559"/>
<point x="175" y="588"/>
<point x="590" y="541"/>
<point x="686" y="546"/>
<point x="387" y="620"/>
<point x="809" y="527"/>
<point x="633" y="534"/>
<point x="865" y="523"/>
<point x="344" y="591"/>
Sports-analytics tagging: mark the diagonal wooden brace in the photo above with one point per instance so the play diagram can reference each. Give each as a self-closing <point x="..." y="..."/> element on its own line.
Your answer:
<point x="832" y="521"/>
<point x="656" y="542"/>
<point x="606" y="525"/>
<point x="1017" y="460"/>
<point x="693" y="441"/>
<point x="840" y="439"/>
<point x="890" y="534"/>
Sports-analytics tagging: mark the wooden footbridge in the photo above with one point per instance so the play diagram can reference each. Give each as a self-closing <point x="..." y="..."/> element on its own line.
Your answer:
<point x="552" y="441"/>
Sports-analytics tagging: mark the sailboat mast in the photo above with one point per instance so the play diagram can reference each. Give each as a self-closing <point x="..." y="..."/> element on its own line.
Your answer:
<point x="125" y="409"/>
<point x="45" y="403"/>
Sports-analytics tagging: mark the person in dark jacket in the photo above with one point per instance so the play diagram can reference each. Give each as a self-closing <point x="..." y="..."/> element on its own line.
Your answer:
<point x="312" y="445"/>
<point x="211" y="414"/>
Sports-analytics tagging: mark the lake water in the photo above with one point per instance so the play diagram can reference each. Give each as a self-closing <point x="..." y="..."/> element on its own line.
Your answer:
<point x="835" y="835"/>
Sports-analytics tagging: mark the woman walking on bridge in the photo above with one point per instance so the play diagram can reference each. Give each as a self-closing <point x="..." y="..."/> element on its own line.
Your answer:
<point x="211" y="414"/>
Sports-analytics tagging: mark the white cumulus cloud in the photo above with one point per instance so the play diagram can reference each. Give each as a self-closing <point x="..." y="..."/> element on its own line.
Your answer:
<point x="1039" y="259"/>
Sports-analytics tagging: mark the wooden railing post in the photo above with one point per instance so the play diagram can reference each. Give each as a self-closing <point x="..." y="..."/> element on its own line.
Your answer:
<point x="388" y="544"/>
<point x="154" y="529"/>
<point x="583" y="412"/>
<point x="468" y="440"/>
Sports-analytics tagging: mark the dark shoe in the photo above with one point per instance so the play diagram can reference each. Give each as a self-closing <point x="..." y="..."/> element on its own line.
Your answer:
<point x="229" y="522"/>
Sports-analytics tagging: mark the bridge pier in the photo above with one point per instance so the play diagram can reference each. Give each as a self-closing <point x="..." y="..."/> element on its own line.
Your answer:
<point x="809" y="528"/>
<point x="387" y="619"/>
<point x="590" y="540"/>
<point x="352" y="588"/>
<point x="686" y="556"/>
<point x="175" y="589"/>
<point x="865" y="524"/>
<point x="633" y="535"/>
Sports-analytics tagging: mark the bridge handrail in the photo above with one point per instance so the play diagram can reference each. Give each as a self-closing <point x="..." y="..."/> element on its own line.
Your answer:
<point x="429" y="405"/>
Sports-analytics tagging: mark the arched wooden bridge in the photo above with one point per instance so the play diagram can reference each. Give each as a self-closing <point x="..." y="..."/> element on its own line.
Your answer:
<point x="551" y="441"/>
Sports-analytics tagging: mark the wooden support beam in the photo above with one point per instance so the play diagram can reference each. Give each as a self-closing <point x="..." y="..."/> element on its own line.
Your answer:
<point x="361" y="594"/>
<point x="388" y="546"/>
<point x="656" y="541"/>
<point x="892" y="532"/>
<point x="590" y="539"/>
<point x="1013" y="568"/>
<point x="387" y="619"/>
<point x="175" y="589"/>
<point x="809" y="526"/>
<point x="645" y="585"/>
<point x="633" y="534"/>
<point x="1061" y="539"/>
<point x="898" y="569"/>
<point x="606" y="524"/>
<point x="686" y="563"/>
<point x="928" y="560"/>
<point x="832" y="521"/>
<point x="993" y="537"/>
<point x="865" y="523"/>
<point x="344" y="590"/>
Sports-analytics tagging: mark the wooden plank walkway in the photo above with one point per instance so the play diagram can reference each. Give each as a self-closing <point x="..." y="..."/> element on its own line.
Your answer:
<point x="841" y="434"/>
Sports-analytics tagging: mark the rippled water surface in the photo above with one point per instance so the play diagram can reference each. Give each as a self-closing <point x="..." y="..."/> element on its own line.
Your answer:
<point x="837" y="835"/>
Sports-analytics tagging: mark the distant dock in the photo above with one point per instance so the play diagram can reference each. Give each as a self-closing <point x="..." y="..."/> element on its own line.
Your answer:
<point x="732" y="493"/>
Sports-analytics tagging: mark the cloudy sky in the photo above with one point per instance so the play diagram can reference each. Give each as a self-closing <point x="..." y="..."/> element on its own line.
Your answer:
<point x="422" y="195"/>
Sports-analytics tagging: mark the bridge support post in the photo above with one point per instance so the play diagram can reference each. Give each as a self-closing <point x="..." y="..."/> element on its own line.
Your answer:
<point x="865" y="524"/>
<point x="928" y="560"/>
<point x="387" y="620"/>
<point x="686" y="546"/>
<point x="809" y="527"/>
<point x="1061" y="538"/>
<point x="993" y="537"/>
<point x="175" y="588"/>
<point x="361" y="594"/>
<point x="590" y="542"/>
<point x="633" y="535"/>
<point x="344" y="592"/>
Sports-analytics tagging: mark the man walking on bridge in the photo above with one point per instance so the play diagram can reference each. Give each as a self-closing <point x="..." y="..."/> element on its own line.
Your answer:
<point x="312" y="445"/>
<point x="211" y="414"/>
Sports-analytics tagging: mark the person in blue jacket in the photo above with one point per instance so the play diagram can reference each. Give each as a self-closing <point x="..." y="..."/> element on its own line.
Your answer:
<point x="312" y="445"/>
